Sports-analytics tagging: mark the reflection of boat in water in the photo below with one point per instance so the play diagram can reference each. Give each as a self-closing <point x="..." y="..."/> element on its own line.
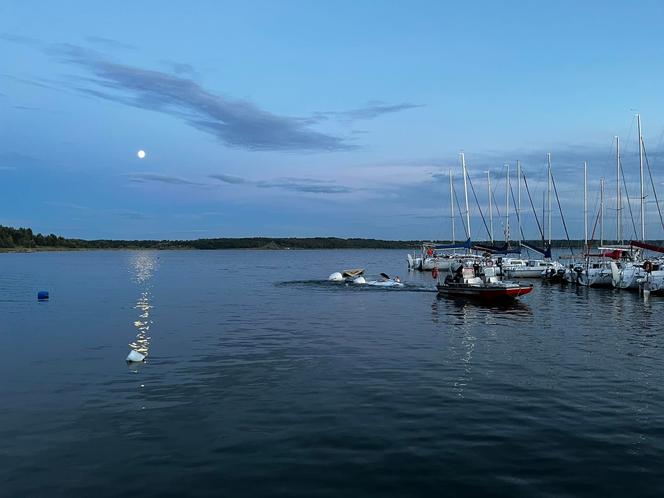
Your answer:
<point x="514" y="307"/>
<point x="481" y="283"/>
<point x="462" y="308"/>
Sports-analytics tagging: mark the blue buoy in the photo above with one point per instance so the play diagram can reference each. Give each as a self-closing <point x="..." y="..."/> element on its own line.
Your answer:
<point x="42" y="295"/>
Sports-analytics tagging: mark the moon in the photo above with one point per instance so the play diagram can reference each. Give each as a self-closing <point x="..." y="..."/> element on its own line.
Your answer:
<point x="141" y="154"/>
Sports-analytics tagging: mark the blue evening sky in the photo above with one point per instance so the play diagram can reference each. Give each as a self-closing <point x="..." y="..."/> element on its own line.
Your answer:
<point x="318" y="118"/>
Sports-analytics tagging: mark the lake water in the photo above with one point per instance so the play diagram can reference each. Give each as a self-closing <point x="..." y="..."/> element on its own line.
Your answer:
<point x="263" y="379"/>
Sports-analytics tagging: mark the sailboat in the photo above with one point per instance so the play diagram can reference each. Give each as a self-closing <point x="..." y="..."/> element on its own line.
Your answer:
<point x="530" y="268"/>
<point x="595" y="271"/>
<point x="635" y="270"/>
<point x="440" y="257"/>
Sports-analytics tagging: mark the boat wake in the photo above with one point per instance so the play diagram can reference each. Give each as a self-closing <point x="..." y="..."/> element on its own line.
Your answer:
<point x="350" y="286"/>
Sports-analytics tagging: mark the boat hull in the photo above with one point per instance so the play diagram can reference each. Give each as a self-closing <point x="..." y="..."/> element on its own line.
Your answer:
<point x="484" y="292"/>
<point x="523" y="272"/>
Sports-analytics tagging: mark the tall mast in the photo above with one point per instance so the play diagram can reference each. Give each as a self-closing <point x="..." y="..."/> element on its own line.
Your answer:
<point x="585" y="204"/>
<point x="601" y="211"/>
<point x="465" y="191"/>
<point x="507" y="204"/>
<point x="452" y="206"/>
<point x="488" y="178"/>
<point x="543" y="213"/>
<point x="619" y="238"/>
<point x="643" y="220"/>
<point x="548" y="192"/>
<point x="518" y="198"/>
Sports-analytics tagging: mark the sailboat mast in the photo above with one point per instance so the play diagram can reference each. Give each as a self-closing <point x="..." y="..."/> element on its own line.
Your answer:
<point x="507" y="204"/>
<point x="601" y="211"/>
<point x="452" y="205"/>
<point x="548" y="193"/>
<point x="488" y="178"/>
<point x="465" y="191"/>
<point x="619" y="238"/>
<point x="518" y="197"/>
<point x="643" y="220"/>
<point x="585" y="204"/>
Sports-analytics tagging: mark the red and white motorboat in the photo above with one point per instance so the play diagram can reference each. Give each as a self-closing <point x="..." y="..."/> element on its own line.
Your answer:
<point x="483" y="283"/>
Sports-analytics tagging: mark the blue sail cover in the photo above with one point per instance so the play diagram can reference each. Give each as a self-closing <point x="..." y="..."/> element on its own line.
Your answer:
<point x="461" y="245"/>
<point x="496" y="249"/>
<point x="544" y="251"/>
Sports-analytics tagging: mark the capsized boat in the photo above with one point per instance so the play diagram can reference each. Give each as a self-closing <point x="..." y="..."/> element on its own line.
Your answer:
<point x="346" y="275"/>
<point x="481" y="283"/>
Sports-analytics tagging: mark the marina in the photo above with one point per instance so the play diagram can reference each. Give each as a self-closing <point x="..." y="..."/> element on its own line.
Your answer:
<point x="635" y="265"/>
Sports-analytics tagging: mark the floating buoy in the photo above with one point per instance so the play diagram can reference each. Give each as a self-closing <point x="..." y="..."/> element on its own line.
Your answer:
<point x="360" y="280"/>
<point x="42" y="296"/>
<point x="336" y="277"/>
<point x="135" y="357"/>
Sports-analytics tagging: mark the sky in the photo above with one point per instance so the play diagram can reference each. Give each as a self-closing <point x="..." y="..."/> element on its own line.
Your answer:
<point x="340" y="118"/>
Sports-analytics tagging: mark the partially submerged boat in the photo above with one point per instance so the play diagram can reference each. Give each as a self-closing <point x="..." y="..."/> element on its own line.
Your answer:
<point x="484" y="283"/>
<point x="356" y="276"/>
<point x="346" y="275"/>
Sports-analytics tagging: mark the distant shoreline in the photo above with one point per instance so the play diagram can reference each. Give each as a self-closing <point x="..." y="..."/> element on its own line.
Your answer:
<point x="24" y="240"/>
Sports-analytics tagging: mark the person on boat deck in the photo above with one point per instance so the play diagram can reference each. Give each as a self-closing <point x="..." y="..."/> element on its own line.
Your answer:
<point x="458" y="273"/>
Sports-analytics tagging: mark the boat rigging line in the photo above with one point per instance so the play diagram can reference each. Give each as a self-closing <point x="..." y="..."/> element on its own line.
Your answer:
<point x="470" y="182"/>
<point x="652" y="183"/>
<point x="629" y="203"/>
<point x="525" y="182"/>
<point x="562" y="217"/>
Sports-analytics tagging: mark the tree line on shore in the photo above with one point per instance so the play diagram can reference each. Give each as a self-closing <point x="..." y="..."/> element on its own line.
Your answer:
<point x="25" y="238"/>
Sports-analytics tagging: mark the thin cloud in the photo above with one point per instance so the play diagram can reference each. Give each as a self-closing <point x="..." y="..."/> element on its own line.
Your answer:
<point x="292" y="184"/>
<point x="157" y="178"/>
<point x="180" y="67"/>
<point x="109" y="44"/>
<point x="22" y="40"/>
<point x="372" y="110"/>
<point x="306" y="185"/>
<point x="234" y="180"/>
<point x="128" y="214"/>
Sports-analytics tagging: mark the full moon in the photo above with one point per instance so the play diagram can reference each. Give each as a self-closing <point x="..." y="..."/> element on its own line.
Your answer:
<point x="141" y="154"/>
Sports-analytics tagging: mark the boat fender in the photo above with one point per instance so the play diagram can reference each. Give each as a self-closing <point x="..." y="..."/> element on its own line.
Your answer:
<point x="615" y="274"/>
<point x="434" y="272"/>
<point x="336" y="277"/>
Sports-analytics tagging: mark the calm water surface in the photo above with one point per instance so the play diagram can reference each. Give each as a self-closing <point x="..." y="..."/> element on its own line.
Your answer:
<point x="263" y="379"/>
